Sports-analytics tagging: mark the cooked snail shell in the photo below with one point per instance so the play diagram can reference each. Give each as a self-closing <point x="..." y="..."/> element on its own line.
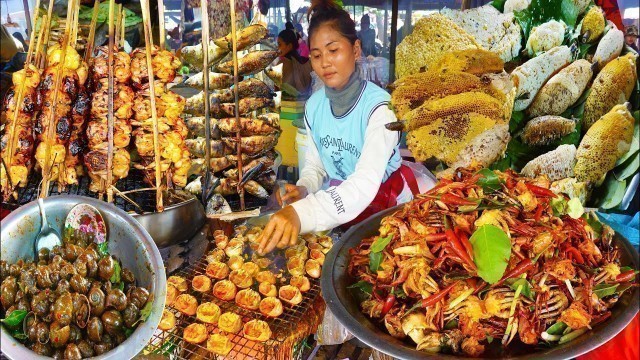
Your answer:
<point x="313" y="268"/>
<point x="268" y="289"/>
<point x="301" y="282"/>
<point x="217" y="270"/>
<point x="248" y="299"/>
<point x="224" y="290"/>
<point x="230" y="322"/>
<point x="234" y="247"/>
<point x="201" y="283"/>
<point x="271" y="306"/>
<point x="241" y="278"/>
<point x="186" y="304"/>
<point x="266" y="276"/>
<point x="251" y="268"/>
<point x="290" y="294"/>
<point x="179" y="282"/>
<point x="172" y="294"/>
<point x="219" y="344"/>
<point x="256" y="330"/>
<point x="208" y="313"/>
<point x="195" y="333"/>
<point x="235" y="262"/>
<point x="168" y="320"/>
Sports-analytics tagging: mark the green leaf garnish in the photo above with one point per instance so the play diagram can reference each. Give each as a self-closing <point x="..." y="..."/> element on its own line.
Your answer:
<point x="489" y="181"/>
<point x="115" y="278"/>
<point x="103" y="249"/>
<point x="491" y="252"/>
<point x="375" y="259"/>
<point x="363" y="286"/>
<point x="15" y="318"/>
<point x="603" y="290"/>
<point x="380" y="243"/>
<point x="526" y="286"/>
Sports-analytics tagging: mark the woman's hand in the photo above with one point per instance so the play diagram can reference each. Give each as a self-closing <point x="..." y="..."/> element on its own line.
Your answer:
<point x="281" y="231"/>
<point x="293" y="194"/>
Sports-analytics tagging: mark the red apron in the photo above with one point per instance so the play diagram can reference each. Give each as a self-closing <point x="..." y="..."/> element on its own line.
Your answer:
<point x="387" y="195"/>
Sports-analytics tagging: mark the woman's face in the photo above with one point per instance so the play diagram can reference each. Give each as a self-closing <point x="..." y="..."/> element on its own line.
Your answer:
<point x="333" y="57"/>
<point x="283" y="47"/>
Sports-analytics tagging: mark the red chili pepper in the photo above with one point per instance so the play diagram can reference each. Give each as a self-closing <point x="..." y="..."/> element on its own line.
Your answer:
<point x="440" y="185"/>
<point x="626" y="276"/>
<point x="435" y="237"/>
<point x="433" y="299"/>
<point x="459" y="249"/>
<point x="510" y="182"/>
<point x="522" y="267"/>
<point x="575" y="254"/>
<point x="464" y="240"/>
<point x="540" y="191"/>
<point x="451" y="199"/>
<point x="388" y="304"/>
<point x="404" y="274"/>
<point x="538" y="213"/>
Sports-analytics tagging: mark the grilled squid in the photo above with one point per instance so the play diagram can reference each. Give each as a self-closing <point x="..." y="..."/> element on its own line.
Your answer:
<point x="224" y="290"/>
<point x="271" y="306"/>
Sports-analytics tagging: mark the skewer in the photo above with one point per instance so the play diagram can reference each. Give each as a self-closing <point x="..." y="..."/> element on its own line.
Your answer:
<point x="111" y="90"/>
<point x="118" y="16"/>
<point x="46" y="171"/>
<point x="88" y="51"/>
<point x="152" y="93"/>
<point x="207" y="104"/>
<point x="161" y="38"/>
<point x="234" y="42"/>
<point x="41" y="59"/>
<point x="128" y="199"/>
<point x="74" y="24"/>
<point x="123" y="25"/>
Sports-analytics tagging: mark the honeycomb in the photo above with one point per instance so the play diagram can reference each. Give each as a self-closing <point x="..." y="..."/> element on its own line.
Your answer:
<point x="556" y="164"/>
<point x="545" y="129"/>
<point x="473" y="61"/>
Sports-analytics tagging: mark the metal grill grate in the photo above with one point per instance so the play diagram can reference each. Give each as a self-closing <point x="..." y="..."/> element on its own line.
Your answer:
<point x="135" y="180"/>
<point x="288" y="330"/>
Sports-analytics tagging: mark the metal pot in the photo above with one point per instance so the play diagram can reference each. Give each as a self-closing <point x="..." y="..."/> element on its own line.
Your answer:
<point x="176" y="224"/>
<point x="127" y="240"/>
<point x="342" y="302"/>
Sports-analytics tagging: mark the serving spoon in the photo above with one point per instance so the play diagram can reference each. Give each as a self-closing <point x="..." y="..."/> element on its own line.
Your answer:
<point x="48" y="236"/>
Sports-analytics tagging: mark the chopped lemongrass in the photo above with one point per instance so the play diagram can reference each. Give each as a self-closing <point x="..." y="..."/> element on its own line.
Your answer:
<point x="461" y="298"/>
<point x="548" y="337"/>
<point x="542" y="281"/>
<point x="572" y="335"/>
<point x="505" y="338"/>
<point x="573" y="293"/>
<point x="567" y="330"/>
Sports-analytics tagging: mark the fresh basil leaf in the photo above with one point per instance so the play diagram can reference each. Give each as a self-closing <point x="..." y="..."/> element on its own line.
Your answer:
<point x="375" y="259"/>
<point x="15" y="318"/>
<point x="517" y="121"/>
<point x="526" y="286"/>
<point x="491" y="252"/>
<point x="363" y="286"/>
<point x="603" y="290"/>
<point x="557" y="328"/>
<point x="489" y="181"/>
<point x="451" y="324"/>
<point x="381" y="243"/>
<point x="115" y="278"/>
<point x="103" y="249"/>
<point x="628" y="168"/>
<point x="575" y="208"/>
<point x="498" y="4"/>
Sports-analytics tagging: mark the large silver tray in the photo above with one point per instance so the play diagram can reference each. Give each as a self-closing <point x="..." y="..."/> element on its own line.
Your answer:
<point x="342" y="303"/>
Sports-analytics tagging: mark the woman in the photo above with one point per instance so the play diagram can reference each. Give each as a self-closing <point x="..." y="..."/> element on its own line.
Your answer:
<point x="350" y="147"/>
<point x="296" y="69"/>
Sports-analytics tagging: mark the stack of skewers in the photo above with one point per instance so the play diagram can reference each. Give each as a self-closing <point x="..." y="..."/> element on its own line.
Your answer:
<point x="258" y="127"/>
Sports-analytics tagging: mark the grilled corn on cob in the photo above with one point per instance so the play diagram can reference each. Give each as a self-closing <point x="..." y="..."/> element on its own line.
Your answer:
<point x="432" y="37"/>
<point x="612" y="86"/>
<point x="530" y="76"/>
<point x="251" y="63"/>
<point x="246" y="37"/>
<point x="593" y="24"/>
<point x="562" y="90"/>
<point x="609" y="47"/>
<point x="557" y="164"/>
<point x="603" y="144"/>
<point x="545" y="37"/>
<point x="545" y="129"/>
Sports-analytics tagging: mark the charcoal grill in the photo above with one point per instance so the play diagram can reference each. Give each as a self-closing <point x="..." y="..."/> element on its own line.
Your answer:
<point x="288" y="330"/>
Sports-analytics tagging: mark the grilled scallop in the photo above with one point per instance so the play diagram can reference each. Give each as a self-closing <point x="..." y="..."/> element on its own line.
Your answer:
<point x="234" y="247"/>
<point x="301" y="282"/>
<point x="217" y="270"/>
<point x="230" y="322"/>
<point x="235" y="262"/>
<point x="195" y="333"/>
<point x="248" y="299"/>
<point x="215" y="255"/>
<point x="313" y="268"/>
<point x="271" y="306"/>
<point x="263" y="263"/>
<point x="179" y="282"/>
<point x="186" y="304"/>
<point x="266" y="276"/>
<point x="221" y="241"/>
<point x="201" y="283"/>
<point x="172" y="294"/>
<point x="219" y="344"/>
<point x="251" y="268"/>
<point x="168" y="320"/>
<point x="208" y="313"/>
<point x="256" y="330"/>
<point x="290" y="294"/>
<point x="295" y="266"/>
<point x="224" y="290"/>
<point x="268" y="289"/>
<point x="241" y="278"/>
<point x="317" y="255"/>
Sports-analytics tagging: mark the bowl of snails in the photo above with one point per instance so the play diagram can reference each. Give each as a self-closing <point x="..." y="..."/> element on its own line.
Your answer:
<point x="100" y="294"/>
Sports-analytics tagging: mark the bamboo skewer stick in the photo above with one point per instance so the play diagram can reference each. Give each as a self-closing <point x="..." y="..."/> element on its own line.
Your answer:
<point x="49" y="138"/>
<point x="234" y="42"/>
<point x="41" y="59"/>
<point x="38" y="41"/>
<point x="88" y="50"/>
<point x="207" y="104"/>
<point x="76" y="18"/>
<point x="123" y="23"/>
<point x="161" y="38"/>
<point x="118" y="17"/>
<point x="152" y="94"/>
<point x="111" y="90"/>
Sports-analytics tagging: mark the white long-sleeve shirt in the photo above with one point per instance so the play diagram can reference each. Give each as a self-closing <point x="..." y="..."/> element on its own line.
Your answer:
<point x="355" y="148"/>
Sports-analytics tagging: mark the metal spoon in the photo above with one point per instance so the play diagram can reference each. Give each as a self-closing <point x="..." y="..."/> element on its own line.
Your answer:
<point x="48" y="236"/>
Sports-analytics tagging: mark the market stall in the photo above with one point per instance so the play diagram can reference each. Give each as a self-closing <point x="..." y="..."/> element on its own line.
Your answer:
<point x="530" y="127"/>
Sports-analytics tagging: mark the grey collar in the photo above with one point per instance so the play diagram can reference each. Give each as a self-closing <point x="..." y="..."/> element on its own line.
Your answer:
<point x="342" y="101"/>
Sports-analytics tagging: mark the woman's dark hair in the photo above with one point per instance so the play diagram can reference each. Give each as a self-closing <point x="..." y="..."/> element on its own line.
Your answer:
<point x="323" y="12"/>
<point x="289" y="37"/>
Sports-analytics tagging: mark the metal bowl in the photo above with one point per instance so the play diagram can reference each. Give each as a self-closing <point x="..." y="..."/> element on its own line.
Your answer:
<point x="343" y="304"/>
<point x="128" y="241"/>
<point x="178" y="222"/>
